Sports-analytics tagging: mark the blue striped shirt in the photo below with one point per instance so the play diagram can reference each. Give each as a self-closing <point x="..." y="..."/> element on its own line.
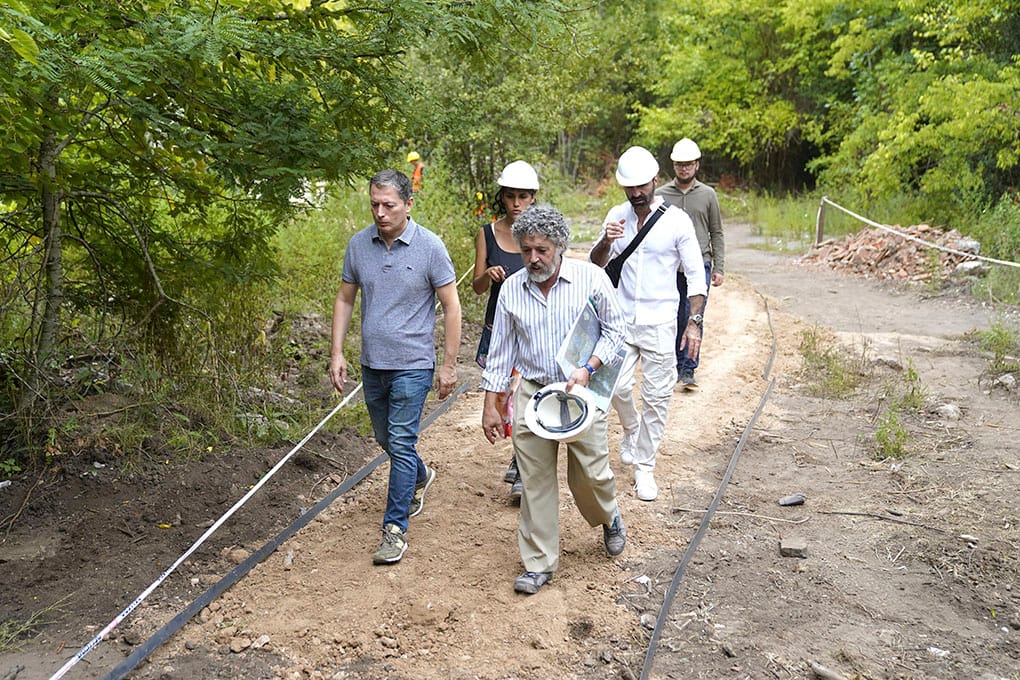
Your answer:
<point x="529" y="328"/>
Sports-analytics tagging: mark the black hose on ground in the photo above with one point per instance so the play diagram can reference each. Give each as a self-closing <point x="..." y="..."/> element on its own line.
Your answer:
<point x="143" y="650"/>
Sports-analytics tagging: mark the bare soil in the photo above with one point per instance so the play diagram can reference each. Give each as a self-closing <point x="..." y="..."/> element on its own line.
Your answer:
<point x="912" y="566"/>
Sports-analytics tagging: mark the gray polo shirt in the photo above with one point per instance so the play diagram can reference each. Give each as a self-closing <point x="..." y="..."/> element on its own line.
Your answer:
<point x="398" y="295"/>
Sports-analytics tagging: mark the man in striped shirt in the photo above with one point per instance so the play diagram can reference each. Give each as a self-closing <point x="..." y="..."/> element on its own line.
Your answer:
<point x="536" y="310"/>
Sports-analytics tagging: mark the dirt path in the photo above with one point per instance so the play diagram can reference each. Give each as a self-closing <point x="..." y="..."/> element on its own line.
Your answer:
<point x="448" y="608"/>
<point x="911" y="568"/>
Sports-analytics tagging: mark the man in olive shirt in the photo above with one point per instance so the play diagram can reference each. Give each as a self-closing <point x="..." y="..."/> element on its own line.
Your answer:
<point x="701" y="205"/>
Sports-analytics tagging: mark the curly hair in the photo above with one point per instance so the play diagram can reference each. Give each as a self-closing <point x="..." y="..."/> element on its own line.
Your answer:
<point x="497" y="203"/>
<point x="543" y="220"/>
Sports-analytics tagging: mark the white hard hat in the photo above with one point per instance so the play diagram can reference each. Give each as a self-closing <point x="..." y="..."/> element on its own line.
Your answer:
<point x="553" y="413"/>
<point x="518" y="175"/>
<point x="685" y="151"/>
<point x="636" y="166"/>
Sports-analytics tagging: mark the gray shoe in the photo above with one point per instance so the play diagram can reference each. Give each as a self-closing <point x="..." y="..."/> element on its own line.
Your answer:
<point x="512" y="474"/>
<point x="418" y="500"/>
<point x="530" y="581"/>
<point x="687" y="380"/>
<point x="517" y="490"/>
<point x="615" y="535"/>
<point x="392" y="547"/>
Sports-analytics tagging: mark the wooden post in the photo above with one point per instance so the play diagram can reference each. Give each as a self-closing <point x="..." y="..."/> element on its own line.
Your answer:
<point x="820" y="221"/>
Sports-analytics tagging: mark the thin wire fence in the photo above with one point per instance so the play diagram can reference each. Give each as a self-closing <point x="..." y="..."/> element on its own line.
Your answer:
<point x="820" y="234"/>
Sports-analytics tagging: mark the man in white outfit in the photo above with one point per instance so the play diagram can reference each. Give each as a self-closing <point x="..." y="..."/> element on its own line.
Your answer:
<point x="650" y="306"/>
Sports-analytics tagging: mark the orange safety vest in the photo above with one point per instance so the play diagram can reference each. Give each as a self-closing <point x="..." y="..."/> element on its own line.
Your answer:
<point x="419" y="169"/>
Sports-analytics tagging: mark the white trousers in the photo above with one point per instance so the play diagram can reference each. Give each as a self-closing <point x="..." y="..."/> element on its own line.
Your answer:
<point x="653" y="347"/>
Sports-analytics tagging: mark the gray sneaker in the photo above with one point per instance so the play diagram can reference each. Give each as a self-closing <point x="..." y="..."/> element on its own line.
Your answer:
<point x="615" y="535"/>
<point x="392" y="546"/>
<point x="418" y="500"/>
<point x="517" y="490"/>
<point x="530" y="581"/>
<point x="511" y="474"/>
<point x="686" y="379"/>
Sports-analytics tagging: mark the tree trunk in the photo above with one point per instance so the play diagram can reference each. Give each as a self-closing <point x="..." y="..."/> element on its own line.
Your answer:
<point x="50" y="298"/>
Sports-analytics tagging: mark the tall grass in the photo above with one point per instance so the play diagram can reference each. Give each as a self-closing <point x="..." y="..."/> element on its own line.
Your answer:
<point x="790" y="223"/>
<point x="310" y="251"/>
<point x="786" y="223"/>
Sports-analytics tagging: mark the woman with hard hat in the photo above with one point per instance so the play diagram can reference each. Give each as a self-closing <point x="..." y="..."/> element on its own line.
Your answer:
<point x="497" y="256"/>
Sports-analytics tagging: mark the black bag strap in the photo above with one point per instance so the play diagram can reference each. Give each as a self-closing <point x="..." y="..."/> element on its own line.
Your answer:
<point x="632" y="246"/>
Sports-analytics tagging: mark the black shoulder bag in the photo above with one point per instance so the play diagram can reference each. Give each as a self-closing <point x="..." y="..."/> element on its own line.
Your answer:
<point x="614" y="268"/>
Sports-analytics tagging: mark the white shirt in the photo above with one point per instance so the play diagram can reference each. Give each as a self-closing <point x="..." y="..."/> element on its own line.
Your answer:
<point x="647" y="289"/>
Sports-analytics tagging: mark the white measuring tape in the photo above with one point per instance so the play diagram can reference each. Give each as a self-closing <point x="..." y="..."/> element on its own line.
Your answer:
<point x="204" y="537"/>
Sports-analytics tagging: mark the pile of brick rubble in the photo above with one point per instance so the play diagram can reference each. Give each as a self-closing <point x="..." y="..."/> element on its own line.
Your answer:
<point x="879" y="254"/>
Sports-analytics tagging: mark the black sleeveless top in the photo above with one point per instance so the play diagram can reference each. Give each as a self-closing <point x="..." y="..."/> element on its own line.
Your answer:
<point x="494" y="255"/>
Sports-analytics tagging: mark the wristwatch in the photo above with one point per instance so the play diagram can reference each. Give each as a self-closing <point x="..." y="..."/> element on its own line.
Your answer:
<point x="696" y="318"/>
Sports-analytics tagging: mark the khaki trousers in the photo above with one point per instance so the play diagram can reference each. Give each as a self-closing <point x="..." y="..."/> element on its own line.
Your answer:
<point x="589" y="477"/>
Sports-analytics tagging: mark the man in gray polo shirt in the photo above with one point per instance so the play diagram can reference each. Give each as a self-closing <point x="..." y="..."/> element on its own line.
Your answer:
<point x="401" y="268"/>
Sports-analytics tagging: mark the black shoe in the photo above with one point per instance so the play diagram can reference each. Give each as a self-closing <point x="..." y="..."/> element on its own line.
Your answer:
<point x="530" y="581"/>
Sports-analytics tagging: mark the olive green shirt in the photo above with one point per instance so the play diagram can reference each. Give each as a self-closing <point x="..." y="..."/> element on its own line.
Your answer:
<point x="702" y="205"/>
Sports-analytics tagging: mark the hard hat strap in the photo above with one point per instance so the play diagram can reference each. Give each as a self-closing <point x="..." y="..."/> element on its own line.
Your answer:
<point x="566" y="423"/>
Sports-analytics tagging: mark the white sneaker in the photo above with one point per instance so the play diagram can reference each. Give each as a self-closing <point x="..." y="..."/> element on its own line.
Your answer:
<point x="644" y="485"/>
<point x="627" y="448"/>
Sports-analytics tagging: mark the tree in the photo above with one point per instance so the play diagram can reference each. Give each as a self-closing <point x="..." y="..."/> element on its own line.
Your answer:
<point x="939" y="97"/>
<point x="152" y="146"/>
<point x="724" y="79"/>
<point x="557" y="81"/>
<point x="914" y="97"/>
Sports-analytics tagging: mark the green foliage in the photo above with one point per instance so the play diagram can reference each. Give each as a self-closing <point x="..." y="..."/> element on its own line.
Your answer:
<point x="891" y="436"/>
<point x="911" y="393"/>
<point x="876" y="99"/>
<point x="998" y="229"/>
<point x="727" y="82"/>
<point x="787" y="223"/>
<point x="1002" y="340"/>
<point x="152" y="149"/>
<point x="9" y="467"/>
<point x="903" y="397"/>
<point x="554" y="87"/>
<point x="829" y="370"/>
<point x="938" y="93"/>
<point x="310" y="249"/>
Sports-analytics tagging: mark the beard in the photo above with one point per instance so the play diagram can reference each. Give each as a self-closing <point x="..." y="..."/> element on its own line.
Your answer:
<point x="640" y="201"/>
<point x="544" y="273"/>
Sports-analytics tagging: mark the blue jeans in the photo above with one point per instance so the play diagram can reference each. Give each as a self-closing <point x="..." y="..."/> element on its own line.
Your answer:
<point x="395" y="400"/>
<point x="684" y="362"/>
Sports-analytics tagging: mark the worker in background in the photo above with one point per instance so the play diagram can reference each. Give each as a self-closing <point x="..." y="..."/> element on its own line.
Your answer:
<point x="414" y="158"/>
